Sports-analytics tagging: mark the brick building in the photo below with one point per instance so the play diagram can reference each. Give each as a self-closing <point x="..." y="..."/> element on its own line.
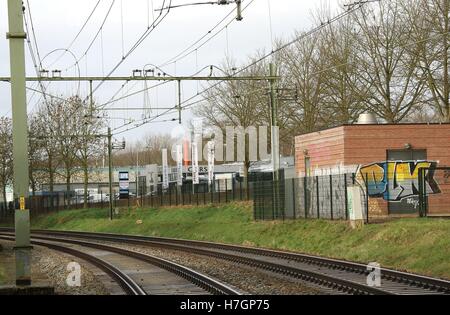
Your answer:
<point x="387" y="158"/>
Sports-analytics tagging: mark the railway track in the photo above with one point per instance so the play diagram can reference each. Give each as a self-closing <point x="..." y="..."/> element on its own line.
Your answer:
<point x="337" y="275"/>
<point x="130" y="286"/>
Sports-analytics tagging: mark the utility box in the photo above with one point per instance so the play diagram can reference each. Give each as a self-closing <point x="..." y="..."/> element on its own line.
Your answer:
<point x="355" y="208"/>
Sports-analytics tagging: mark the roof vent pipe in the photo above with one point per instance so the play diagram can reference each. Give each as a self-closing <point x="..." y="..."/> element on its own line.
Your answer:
<point x="367" y="119"/>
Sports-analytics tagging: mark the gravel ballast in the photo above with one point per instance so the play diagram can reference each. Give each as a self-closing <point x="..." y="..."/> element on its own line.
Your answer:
<point x="50" y="267"/>
<point x="247" y="279"/>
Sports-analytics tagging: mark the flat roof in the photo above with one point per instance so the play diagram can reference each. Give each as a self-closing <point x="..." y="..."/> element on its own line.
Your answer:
<point x="374" y="125"/>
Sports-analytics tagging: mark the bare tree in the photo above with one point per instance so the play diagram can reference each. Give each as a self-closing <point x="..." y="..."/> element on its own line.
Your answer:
<point x="238" y="104"/>
<point x="45" y="135"/>
<point x="89" y="141"/>
<point x="6" y="158"/>
<point x="430" y="20"/>
<point x="36" y="154"/>
<point x="344" y="93"/>
<point x="388" y="67"/>
<point x="302" y="66"/>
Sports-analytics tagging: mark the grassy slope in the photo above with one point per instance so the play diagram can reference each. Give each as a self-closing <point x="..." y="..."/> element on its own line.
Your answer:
<point x="416" y="245"/>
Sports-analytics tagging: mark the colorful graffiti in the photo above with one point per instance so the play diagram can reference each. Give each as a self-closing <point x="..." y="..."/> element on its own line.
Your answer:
<point x="397" y="180"/>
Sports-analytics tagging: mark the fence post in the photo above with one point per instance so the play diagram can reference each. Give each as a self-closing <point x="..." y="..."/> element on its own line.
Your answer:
<point x="182" y="194"/>
<point x="191" y="189"/>
<point x="170" y="196"/>
<point x="218" y="188"/>
<point x="226" y="190"/>
<point x="293" y="198"/>
<point x="232" y="188"/>
<point x="197" y="195"/>
<point x="367" y="198"/>
<point x="211" y="191"/>
<point x="240" y="189"/>
<point x="346" y="197"/>
<point x="305" y="195"/>
<point x="331" y="197"/>
<point x="152" y="196"/>
<point x="255" y="204"/>
<point x="205" y="187"/>
<point x="317" y="197"/>
<point x="421" y="193"/>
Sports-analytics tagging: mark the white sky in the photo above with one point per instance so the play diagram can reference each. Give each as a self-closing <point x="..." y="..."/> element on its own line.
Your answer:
<point x="56" y="22"/>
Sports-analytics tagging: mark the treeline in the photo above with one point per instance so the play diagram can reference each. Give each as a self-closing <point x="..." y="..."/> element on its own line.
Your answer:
<point x="63" y="141"/>
<point x="389" y="57"/>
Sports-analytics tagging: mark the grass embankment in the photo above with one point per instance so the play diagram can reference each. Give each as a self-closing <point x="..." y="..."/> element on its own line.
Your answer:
<point x="415" y="245"/>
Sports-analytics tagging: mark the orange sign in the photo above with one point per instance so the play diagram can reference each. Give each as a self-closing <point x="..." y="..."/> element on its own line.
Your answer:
<point x="22" y="203"/>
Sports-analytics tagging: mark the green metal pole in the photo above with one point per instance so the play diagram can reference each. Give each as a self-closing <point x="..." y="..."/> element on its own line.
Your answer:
<point x="274" y="112"/>
<point x="111" y="195"/>
<point x="179" y="102"/>
<point x="16" y="38"/>
<point x="275" y="141"/>
<point x="91" y="99"/>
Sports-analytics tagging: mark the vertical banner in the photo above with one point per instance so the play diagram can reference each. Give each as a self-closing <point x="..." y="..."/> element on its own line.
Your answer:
<point x="211" y="158"/>
<point x="180" y="165"/>
<point x="124" y="185"/>
<point x="165" y="169"/>
<point x="195" y="170"/>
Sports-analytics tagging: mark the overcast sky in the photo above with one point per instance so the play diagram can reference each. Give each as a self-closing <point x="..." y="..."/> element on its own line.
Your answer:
<point x="56" y="22"/>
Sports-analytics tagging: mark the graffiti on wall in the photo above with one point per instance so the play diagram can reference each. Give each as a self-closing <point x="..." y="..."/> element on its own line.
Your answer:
<point x="397" y="180"/>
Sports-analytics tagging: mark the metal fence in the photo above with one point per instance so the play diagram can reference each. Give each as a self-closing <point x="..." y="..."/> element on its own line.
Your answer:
<point x="434" y="191"/>
<point x="220" y="191"/>
<point x="307" y="197"/>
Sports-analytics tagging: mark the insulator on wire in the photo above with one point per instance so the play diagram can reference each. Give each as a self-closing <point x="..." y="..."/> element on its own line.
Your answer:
<point x="239" y="10"/>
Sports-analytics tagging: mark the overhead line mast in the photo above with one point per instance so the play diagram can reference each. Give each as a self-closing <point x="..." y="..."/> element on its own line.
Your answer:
<point x="16" y="37"/>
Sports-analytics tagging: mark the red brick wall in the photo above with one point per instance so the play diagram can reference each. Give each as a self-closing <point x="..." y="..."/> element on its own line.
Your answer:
<point x="325" y="149"/>
<point x="365" y="144"/>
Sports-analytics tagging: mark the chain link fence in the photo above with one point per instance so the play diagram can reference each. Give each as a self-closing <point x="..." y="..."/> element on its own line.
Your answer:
<point x="321" y="197"/>
<point x="219" y="192"/>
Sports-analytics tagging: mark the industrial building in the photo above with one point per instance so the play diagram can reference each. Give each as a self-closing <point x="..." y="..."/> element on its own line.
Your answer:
<point x="386" y="158"/>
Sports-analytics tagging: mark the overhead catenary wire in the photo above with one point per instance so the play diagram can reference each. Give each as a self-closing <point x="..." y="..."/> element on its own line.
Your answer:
<point x="84" y="55"/>
<point x="78" y="34"/>
<point x="34" y="35"/>
<point x="114" y="99"/>
<point x="180" y="55"/>
<point x="33" y="57"/>
<point x="270" y="25"/>
<point x="141" y="39"/>
<point x="37" y="63"/>
<point x="188" y="51"/>
<point x="349" y="11"/>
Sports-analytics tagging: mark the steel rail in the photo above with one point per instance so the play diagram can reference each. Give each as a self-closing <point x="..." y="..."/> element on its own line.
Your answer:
<point x="207" y="283"/>
<point x="201" y="247"/>
<point x="322" y="279"/>
<point x="125" y="282"/>
<point x="414" y="280"/>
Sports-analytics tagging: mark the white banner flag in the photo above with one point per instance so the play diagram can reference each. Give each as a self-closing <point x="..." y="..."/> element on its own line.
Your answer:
<point x="195" y="170"/>
<point x="211" y="158"/>
<point x="165" y="169"/>
<point x="180" y="165"/>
